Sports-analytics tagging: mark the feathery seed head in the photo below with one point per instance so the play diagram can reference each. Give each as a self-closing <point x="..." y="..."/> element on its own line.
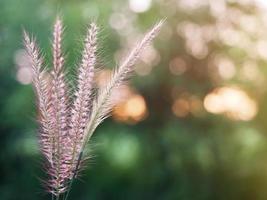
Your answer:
<point x="82" y="103"/>
<point x="57" y="54"/>
<point x="65" y="130"/>
<point x="103" y="103"/>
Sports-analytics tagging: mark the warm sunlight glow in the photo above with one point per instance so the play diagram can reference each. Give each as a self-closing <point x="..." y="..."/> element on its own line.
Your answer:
<point x="233" y="102"/>
<point x="135" y="106"/>
<point x="140" y="6"/>
<point x="132" y="110"/>
<point x="181" y="107"/>
<point x="262" y="3"/>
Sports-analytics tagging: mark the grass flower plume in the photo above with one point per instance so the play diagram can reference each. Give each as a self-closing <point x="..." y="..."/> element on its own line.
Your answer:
<point x="67" y="121"/>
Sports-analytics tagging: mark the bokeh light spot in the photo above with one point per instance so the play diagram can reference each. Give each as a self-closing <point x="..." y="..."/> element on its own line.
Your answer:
<point x="181" y="107"/>
<point x="233" y="102"/>
<point x="132" y="110"/>
<point x="24" y="75"/>
<point x="140" y="6"/>
<point x="177" y="66"/>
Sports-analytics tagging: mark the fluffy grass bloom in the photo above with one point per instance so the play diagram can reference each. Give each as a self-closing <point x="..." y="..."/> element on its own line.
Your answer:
<point x="66" y="124"/>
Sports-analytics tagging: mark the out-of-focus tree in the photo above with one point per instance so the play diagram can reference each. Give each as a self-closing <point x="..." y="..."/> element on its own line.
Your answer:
<point x="193" y="122"/>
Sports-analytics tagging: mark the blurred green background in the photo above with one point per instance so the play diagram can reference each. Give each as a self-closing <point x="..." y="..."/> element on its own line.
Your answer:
<point x="193" y="125"/>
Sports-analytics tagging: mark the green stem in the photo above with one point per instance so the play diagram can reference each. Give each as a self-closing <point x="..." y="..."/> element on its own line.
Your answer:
<point x="74" y="174"/>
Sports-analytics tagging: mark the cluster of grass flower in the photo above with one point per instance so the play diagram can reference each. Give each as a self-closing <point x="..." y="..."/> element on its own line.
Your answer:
<point x="67" y="121"/>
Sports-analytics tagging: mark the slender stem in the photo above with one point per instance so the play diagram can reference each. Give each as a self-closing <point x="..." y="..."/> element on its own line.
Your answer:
<point x="63" y="197"/>
<point x="74" y="174"/>
<point x="52" y="196"/>
<point x="57" y="197"/>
